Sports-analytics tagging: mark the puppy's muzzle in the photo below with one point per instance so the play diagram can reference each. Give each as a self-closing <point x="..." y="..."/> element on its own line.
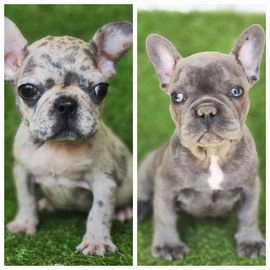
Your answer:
<point x="66" y="108"/>
<point x="207" y="112"/>
<point x="66" y="111"/>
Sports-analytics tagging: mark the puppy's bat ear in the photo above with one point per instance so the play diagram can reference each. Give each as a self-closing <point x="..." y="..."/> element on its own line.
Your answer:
<point x="15" y="44"/>
<point x="163" y="56"/>
<point x="248" y="51"/>
<point x="110" y="43"/>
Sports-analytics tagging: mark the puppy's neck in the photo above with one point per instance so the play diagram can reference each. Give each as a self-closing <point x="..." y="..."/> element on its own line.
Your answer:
<point x="205" y="153"/>
<point x="69" y="145"/>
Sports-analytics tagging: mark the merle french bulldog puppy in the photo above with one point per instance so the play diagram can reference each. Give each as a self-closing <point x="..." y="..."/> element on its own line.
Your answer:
<point x="210" y="163"/>
<point x="62" y="144"/>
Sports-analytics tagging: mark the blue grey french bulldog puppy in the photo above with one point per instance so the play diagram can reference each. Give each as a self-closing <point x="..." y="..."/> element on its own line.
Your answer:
<point x="210" y="163"/>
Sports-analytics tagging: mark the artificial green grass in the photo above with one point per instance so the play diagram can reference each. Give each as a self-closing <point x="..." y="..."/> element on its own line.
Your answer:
<point x="59" y="233"/>
<point x="210" y="241"/>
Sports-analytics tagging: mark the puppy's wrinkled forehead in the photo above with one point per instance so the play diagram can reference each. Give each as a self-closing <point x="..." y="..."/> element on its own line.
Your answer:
<point x="60" y="60"/>
<point x="208" y="71"/>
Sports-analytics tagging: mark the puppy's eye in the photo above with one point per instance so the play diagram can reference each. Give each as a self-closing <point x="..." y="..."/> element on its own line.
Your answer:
<point x="177" y="97"/>
<point x="28" y="91"/>
<point x="236" y="91"/>
<point x="100" y="90"/>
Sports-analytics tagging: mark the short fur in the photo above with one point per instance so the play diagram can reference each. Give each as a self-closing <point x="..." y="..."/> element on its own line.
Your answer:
<point x="61" y="143"/>
<point x="210" y="163"/>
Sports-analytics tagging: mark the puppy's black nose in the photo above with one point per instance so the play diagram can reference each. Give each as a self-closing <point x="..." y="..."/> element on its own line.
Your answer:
<point x="66" y="108"/>
<point x="207" y="112"/>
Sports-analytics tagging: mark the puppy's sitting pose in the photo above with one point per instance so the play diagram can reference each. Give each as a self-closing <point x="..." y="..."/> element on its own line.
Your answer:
<point x="210" y="163"/>
<point x="61" y="144"/>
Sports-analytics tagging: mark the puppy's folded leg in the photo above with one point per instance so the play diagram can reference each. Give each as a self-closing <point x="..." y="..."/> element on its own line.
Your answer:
<point x="166" y="242"/>
<point x="26" y="219"/>
<point x="97" y="239"/>
<point x="249" y="240"/>
<point x="123" y="214"/>
<point x="45" y="205"/>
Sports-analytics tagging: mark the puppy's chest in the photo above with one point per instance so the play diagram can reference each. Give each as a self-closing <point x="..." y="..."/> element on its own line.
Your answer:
<point x="58" y="162"/>
<point x="61" y="173"/>
<point x="208" y="203"/>
<point x="212" y="192"/>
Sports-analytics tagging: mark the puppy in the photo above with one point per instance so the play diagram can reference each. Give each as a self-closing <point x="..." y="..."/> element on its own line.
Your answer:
<point x="61" y="144"/>
<point x="210" y="163"/>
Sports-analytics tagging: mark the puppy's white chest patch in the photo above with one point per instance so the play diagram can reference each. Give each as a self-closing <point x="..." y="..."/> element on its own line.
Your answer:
<point x="216" y="175"/>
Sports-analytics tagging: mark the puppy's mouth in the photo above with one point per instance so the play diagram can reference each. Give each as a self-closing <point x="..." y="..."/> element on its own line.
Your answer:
<point x="209" y="138"/>
<point x="68" y="125"/>
<point x="66" y="135"/>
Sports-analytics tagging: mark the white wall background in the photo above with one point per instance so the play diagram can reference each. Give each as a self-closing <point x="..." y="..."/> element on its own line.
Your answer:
<point x="186" y="6"/>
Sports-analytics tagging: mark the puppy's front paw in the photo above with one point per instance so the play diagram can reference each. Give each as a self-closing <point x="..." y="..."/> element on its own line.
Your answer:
<point x="251" y="249"/>
<point x="171" y="252"/>
<point x="96" y="246"/>
<point x="20" y="225"/>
